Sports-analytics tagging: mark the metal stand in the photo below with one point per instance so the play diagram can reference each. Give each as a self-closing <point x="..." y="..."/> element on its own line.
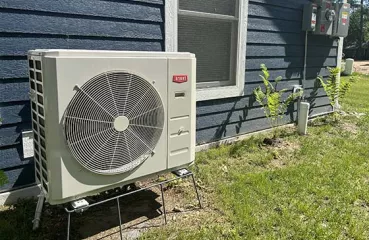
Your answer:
<point x="40" y="204"/>
<point x="183" y="173"/>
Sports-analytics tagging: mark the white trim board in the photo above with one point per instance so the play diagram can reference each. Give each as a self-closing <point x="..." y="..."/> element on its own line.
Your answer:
<point x="339" y="65"/>
<point x="171" y="45"/>
<point x="171" y="25"/>
<point x="230" y="140"/>
<point x="9" y="198"/>
<point x="241" y="137"/>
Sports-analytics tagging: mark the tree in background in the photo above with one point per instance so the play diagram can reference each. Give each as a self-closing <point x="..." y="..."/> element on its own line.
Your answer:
<point x="359" y="25"/>
<point x="355" y="4"/>
<point x="354" y="30"/>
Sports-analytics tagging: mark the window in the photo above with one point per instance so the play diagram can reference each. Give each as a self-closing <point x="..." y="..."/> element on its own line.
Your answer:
<point x="215" y="30"/>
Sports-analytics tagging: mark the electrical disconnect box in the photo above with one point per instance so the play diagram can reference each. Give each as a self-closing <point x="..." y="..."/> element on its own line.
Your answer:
<point x="323" y="17"/>
<point x="309" y="18"/>
<point x="342" y="22"/>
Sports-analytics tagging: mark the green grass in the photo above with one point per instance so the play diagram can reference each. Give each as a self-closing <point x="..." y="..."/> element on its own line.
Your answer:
<point x="315" y="187"/>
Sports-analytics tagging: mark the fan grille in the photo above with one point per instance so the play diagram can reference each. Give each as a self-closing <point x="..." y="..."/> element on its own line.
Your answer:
<point x="113" y="122"/>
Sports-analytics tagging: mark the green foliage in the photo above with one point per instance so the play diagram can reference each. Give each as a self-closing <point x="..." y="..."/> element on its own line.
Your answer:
<point x="271" y="99"/>
<point x="3" y="179"/>
<point x="336" y="90"/>
<point x="354" y="29"/>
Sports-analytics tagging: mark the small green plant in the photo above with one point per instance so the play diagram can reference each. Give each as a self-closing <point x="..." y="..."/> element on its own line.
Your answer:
<point x="271" y="99"/>
<point x="336" y="90"/>
<point x="3" y="178"/>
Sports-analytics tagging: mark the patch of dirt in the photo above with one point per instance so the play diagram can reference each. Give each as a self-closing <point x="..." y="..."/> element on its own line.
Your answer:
<point x="281" y="144"/>
<point x="361" y="67"/>
<point x="361" y="203"/>
<point x="140" y="211"/>
<point x="283" y="149"/>
<point x="350" y="127"/>
<point x="277" y="163"/>
<point x="289" y="146"/>
<point x="275" y="142"/>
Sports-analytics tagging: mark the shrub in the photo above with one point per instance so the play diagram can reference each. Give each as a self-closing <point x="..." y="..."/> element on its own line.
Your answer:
<point x="271" y="99"/>
<point x="335" y="90"/>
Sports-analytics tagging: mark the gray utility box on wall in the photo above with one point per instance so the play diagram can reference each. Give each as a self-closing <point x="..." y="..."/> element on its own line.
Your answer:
<point x="342" y="22"/>
<point x="326" y="18"/>
<point x="309" y="17"/>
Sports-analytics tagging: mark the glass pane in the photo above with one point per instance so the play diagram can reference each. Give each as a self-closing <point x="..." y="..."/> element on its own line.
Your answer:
<point x="224" y="7"/>
<point x="211" y="42"/>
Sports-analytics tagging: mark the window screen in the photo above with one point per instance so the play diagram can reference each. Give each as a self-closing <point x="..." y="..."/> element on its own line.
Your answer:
<point x="208" y="28"/>
<point x="211" y="42"/>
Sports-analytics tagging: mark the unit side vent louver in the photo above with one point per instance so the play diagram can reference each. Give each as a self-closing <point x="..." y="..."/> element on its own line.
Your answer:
<point x="38" y="123"/>
<point x="113" y="122"/>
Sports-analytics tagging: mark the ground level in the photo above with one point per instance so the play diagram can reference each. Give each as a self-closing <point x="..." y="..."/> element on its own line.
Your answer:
<point x="361" y="66"/>
<point x="306" y="187"/>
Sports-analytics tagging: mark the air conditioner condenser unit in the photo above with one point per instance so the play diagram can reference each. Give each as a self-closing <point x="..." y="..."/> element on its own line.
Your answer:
<point x="103" y="119"/>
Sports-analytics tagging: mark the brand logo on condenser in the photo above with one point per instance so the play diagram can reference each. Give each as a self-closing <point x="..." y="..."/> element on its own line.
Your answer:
<point x="180" y="78"/>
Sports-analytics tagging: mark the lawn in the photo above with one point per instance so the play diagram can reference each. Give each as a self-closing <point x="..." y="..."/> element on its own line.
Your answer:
<point x="309" y="187"/>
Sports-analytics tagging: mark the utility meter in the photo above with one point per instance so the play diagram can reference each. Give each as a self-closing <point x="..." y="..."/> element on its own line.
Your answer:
<point x="323" y="17"/>
<point x="309" y="18"/>
<point x="342" y="22"/>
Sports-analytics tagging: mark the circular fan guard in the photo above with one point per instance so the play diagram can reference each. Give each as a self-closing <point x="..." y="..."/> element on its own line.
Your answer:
<point x="113" y="122"/>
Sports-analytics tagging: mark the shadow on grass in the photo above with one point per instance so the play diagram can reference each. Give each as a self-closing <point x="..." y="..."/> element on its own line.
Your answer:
<point x="99" y="222"/>
<point x="16" y="222"/>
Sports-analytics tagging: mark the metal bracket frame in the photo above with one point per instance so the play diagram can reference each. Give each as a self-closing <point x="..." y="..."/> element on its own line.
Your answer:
<point x="180" y="174"/>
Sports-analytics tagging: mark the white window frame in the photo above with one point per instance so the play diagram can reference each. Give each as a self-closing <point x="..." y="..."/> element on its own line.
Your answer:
<point x="171" y="45"/>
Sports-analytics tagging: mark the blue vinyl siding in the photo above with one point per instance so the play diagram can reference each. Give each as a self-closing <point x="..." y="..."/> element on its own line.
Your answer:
<point x="274" y="38"/>
<point x="135" y="25"/>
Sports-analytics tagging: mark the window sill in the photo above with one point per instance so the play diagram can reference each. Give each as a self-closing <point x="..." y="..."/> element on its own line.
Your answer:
<point x="204" y="94"/>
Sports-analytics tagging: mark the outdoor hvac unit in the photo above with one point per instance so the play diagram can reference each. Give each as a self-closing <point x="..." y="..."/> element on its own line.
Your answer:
<point x="102" y="119"/>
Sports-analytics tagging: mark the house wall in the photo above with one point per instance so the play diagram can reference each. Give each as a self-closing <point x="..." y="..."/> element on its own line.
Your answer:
<point x="136" y="25"/>
<point x="274" y="38"/>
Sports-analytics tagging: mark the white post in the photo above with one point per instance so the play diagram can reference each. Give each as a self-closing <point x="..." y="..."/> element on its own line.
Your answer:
<point x="303" y="117"/>
<point x="339" y="60"/>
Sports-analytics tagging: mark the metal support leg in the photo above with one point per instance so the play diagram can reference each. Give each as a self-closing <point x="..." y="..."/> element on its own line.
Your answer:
<point x="162" y="199"/>
<point x="181" y="174"/>
<point x="38" y="212"/>
<point x="197" y="193"/>
<point x="68" y="231"/>
<point x="120" y="220"/>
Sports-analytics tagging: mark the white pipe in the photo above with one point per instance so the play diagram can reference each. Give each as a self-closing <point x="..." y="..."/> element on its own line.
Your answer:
<point x="339" y="61"/>
<point x="40" y="204"/>
<point x="303" y="117"/>
<point x="305" y="58"/>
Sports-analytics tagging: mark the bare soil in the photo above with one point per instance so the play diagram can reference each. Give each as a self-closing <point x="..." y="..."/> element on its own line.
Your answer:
<point x="139" y="212"/>
<point x="361" y="67"/>
<point x="350" y="127"/>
